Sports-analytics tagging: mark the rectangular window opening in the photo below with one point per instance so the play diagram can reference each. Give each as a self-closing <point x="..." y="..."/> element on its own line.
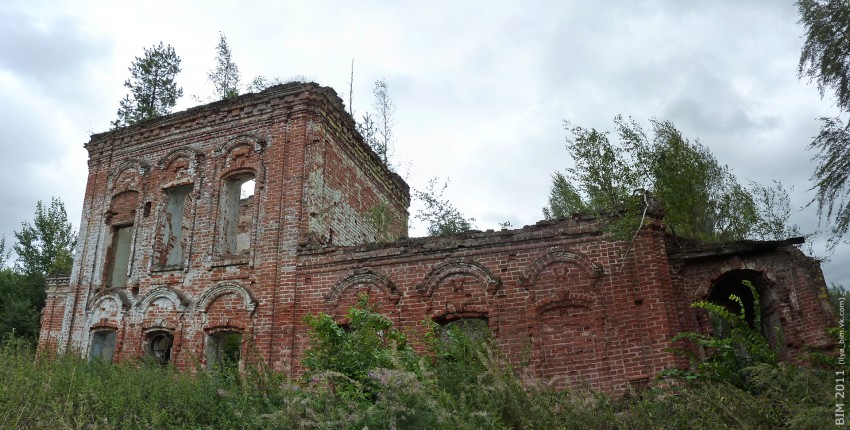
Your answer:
<point x="119" y="252"/>
<point x="102" y="345"/>
<point x="224" y="349"/>
<point x="173" y="231"/>
<point x="238" y="215"/>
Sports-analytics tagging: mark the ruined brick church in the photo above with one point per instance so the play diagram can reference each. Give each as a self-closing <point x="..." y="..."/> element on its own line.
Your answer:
<point x="210" y="233"/>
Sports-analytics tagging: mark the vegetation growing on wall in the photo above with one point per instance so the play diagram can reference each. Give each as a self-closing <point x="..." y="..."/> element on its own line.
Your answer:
<point x="701" y="198"/>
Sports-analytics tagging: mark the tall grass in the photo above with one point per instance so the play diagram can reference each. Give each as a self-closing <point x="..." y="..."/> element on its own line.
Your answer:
<point x="463" y="383"/>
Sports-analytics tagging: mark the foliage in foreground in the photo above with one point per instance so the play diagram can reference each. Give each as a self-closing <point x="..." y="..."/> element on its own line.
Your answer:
<point x="367" y="376"/>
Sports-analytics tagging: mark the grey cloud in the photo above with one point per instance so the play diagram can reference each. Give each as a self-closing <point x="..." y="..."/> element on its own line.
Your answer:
<point x="57" y="57"/>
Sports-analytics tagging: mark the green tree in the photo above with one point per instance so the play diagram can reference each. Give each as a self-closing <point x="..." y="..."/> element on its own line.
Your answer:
<point x="377" y="128"/>
<point x="21" y="300"/>
<point x="381" y="218"/>
<point x="225" y="75"/>
<point x="153" y="90"/>
<point x="369" y="341"/>
<point x="44" y="247"/>
<point x="4" y="255"/>
<point x="385" y="110"/>
<point x="825" y="59"/>
<point x="701" y="198"/>
<point x="442" y="217"/>
<point x="47" y="245"/>
<point x="368" y="129"/>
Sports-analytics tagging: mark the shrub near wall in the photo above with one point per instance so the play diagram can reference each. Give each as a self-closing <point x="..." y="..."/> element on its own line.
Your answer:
<point x="464" y="382"/>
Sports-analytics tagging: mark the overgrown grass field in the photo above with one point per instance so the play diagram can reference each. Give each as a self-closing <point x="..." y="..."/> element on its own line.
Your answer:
<point x="367" y="376"/>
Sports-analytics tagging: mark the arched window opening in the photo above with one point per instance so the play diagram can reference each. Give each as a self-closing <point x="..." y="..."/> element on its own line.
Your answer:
<point x="732" y="283"/>
<point x="159" y="346"/>
<point x="119" y="218"/>
<point x="224" y="350"/>
<point x="474" y="328"/>
<point x="102" y="345"/>
<point x="237" y="218"/>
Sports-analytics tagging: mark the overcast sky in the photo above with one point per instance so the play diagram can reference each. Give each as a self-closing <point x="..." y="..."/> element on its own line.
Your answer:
<point x="482" y="88"/>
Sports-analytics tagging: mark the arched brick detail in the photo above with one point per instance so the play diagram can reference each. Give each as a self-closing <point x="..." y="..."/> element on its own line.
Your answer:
<point x="176" y="172"/>
<point x="529" y="274"/>
<point x="106" y="311"/>
<point x="222" y="289"/>
<point x="234" y="328"/>
<point x="362" y="277"/>
<point x="241" y="154"/>
<point x="180" y="302"/>
<point x="119" y="297"/>
<point x="459" y="267"/>
<point x="703" y="289"/>
<point x="468" y="311"/>
<point x="187" y="152"/>
<point x="127" y="176"/>
<point x="257" y="143"/>
<point x="566" y="298"/>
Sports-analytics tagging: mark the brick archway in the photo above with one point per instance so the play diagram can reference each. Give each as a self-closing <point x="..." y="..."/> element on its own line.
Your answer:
<point x="761" y="311"/>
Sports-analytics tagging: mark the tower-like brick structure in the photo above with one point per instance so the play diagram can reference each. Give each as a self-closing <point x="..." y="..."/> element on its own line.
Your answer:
<point x="208" y="234"/>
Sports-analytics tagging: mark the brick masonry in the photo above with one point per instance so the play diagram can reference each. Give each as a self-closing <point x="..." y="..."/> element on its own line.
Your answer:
<point x="561" y="297"/>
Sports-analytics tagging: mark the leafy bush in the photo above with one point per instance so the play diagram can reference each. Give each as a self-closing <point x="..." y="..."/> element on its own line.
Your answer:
<point x="348" y="354"/>
<point x="730" y="354"/>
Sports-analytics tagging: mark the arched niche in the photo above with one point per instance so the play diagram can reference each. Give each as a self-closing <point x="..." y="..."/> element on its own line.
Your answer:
<point x="380" y="290"/>
<point x="211" y="295"/>
<point x="127" y="176"/>
<point x="104" y="316"/>
<point x="227" y="305"/>
<point x="239" y="153"/>
<point x="255" y="142"/>
<point x="161" y="308"/>
<point x="110" y="300"/>
<point x="558" y="272"/>
<point x="569" y="341"/>
<point x="459" y="268"/>
<point x="179" y="167"/>
<point x="178" y="301"/>
<point x="461" y="286"/>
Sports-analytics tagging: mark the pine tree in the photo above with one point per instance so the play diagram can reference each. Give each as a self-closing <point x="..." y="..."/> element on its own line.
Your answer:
<point x="153" y="90"/>
<point x="225" y="76"/>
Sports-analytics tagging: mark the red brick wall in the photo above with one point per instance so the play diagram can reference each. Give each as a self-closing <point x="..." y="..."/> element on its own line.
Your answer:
<point x="558" y="294"/>
<point x="574" y="306"/>
<point x="790" y="284"/>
